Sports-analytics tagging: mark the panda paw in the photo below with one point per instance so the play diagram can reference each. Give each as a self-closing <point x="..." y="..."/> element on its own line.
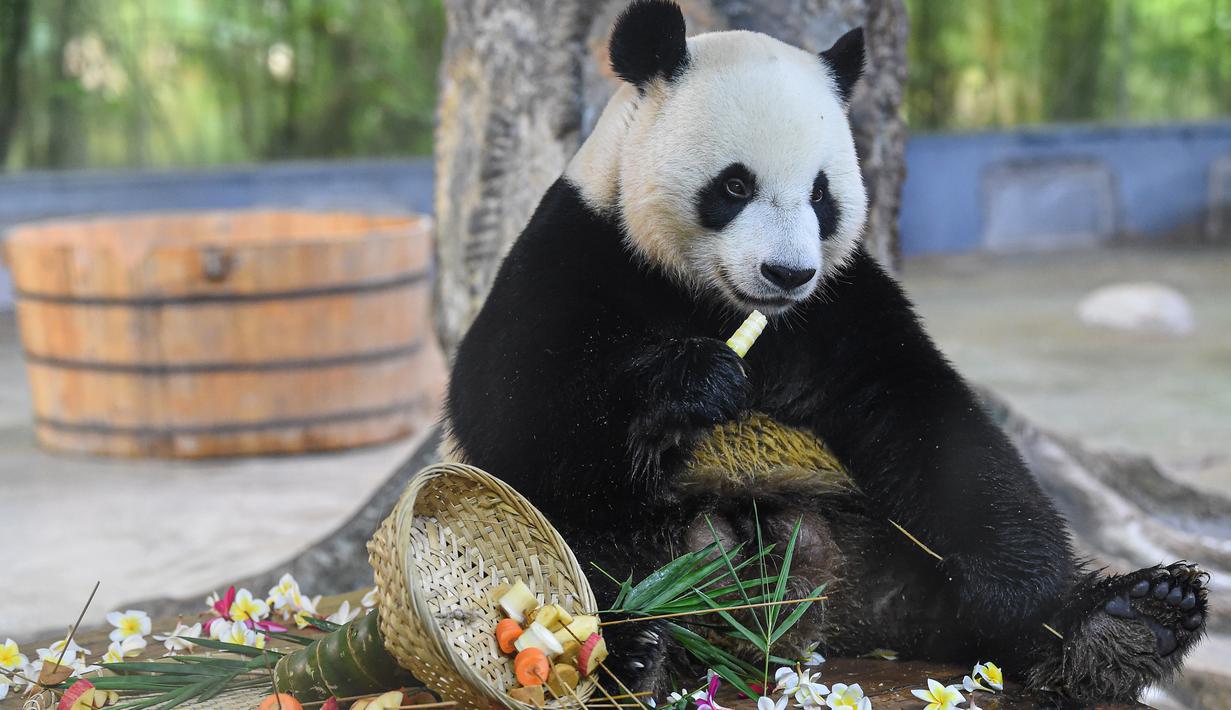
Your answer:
<point x="637" y="660"/>
<point x="1125" y="632"/>
<point x="1170" y="601"/>
<point x="686" y="386"/>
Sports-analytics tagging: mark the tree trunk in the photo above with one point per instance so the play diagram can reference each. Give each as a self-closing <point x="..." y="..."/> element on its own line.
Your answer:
<point x="14" y="28"/>
<point x="523" y="81"/>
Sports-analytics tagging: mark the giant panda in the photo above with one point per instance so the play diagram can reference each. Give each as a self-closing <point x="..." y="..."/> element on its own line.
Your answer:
<point x="722" y="177"/>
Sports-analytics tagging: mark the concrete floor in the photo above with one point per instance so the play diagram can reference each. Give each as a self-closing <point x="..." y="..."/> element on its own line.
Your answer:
<point x="1011" y="323"/>
<point x="163" y="529"/>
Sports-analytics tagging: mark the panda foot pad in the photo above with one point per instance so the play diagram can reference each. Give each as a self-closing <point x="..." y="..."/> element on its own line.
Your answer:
<point x="1170" y="601"/>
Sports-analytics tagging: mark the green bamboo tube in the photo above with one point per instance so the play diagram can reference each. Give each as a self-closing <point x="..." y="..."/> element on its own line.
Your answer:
<point x="350" y="661"/>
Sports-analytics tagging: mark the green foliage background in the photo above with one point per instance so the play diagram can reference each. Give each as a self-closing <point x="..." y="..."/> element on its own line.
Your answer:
<point x="179" y="82"/>
<point x="977" y="64"/>
<point x="109" y="83"/>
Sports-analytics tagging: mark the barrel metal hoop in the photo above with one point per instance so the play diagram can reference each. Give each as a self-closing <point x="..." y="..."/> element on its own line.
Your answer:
<point x="365" y="357"/>
<point x="396" y="281"/>
<point x="231" y="428"/>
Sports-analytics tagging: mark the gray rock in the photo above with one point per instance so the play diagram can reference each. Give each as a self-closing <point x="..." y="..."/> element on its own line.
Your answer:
<point x="1140" y="306"/>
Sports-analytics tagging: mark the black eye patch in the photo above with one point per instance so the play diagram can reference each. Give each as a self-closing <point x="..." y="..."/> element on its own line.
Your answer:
<point x="722" y="198"/>
<point x="826" y="207"/>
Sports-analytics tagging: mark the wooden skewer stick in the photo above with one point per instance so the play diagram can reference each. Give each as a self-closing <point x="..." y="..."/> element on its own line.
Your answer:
<point x="619" y="682"/>
<point x="73" y="631"/>
<point x="557" y="696"/>
<point x="715" y="610"/>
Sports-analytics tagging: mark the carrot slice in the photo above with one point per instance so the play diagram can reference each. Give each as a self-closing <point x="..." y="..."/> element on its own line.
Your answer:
<point x="531" y="667"/>
<point x="507" y="631"/>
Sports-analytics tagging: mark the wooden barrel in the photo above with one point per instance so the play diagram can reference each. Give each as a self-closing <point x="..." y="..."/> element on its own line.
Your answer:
<point x="213" y="334"/>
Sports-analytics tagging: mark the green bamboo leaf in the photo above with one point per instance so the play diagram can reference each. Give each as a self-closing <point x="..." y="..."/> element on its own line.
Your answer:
<point x="229" y="647"/>
<point x="709" y="654"/>
<point x="663" y="578"/>
<point x="734" y="574"/>
<point x="124" y="667"/>
<point x="795" y="615"/>
<point x="784" y="575"/>
<point x="686" y="581"/>
<point x="759" y="641"/>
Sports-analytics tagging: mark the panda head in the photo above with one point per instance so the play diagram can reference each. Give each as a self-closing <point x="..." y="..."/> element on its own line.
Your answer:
<point x="728" y="157"/>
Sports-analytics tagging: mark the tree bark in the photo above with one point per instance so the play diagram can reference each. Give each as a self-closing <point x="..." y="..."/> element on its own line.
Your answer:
<point x="523" y="82"/>
<point x="14" y="28"/>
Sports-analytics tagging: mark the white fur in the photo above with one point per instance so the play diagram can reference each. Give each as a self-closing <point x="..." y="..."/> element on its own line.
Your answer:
<point x="745" y="97"/>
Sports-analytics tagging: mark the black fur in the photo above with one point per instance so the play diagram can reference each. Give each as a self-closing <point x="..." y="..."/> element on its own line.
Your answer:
<point x="587" y="374"/>
<point x="846" y="58"/>
<point x="648" y="42"/>
<point x="716" y="207"/>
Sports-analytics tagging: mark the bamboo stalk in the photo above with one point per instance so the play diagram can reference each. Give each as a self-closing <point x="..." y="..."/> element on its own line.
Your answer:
<point x="715" y="610"/>
<point x="917" y="541"/>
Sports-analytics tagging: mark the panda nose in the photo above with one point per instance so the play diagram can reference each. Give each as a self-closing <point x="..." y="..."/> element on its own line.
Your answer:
<point x="785" y="277"/>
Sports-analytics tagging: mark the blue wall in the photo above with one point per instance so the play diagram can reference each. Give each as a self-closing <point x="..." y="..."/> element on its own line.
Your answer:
<point x="1160" y="173"/>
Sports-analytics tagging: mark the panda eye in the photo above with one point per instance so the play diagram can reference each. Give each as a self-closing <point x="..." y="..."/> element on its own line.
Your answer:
<point x="737" y="188"/>
<point x="818" y="193"/>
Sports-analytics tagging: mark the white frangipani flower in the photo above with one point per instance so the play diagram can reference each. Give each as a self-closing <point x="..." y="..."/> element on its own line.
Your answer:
<point x="802" y="686"/>
<point x="369" y="599"/>
<point x="847" y="697"/>
<point x="127" y="647"/>
<point x="939" y="697"/>
<point x="343" y="615"/>
<point x="177" y="640"/>
<point x="128" y="623"/>
<point x="812" y="657"/>
<point x="245" y="607"/>
<point x="238" y="633"/>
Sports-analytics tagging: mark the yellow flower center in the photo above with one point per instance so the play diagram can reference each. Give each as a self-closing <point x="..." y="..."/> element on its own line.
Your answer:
<point x="130" y="626"/>
<point x="8" y="656"/>
<point x="993" y="673"/>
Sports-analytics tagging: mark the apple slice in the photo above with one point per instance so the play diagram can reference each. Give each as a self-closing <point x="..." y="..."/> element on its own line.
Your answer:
<point x="593" y="651"/>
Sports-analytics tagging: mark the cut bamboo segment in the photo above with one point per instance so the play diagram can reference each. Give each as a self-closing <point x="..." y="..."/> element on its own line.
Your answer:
<point x="213" y="334"/>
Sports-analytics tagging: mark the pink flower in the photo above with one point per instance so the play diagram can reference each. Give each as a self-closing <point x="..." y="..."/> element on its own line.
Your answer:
<point x="226" y="609"/>
<point x="705" y="698"/>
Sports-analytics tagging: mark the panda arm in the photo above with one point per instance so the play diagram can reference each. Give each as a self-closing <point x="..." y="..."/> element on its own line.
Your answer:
<point x="584" y="412"/>
<point x="920" y="445"/>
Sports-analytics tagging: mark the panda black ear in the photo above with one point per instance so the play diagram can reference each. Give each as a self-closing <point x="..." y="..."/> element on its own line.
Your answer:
<point x="846" y="60"/>
<point x="648" y="42"/>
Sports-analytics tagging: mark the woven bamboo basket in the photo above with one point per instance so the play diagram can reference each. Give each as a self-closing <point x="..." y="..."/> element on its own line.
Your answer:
<point x="453" y="537"/>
